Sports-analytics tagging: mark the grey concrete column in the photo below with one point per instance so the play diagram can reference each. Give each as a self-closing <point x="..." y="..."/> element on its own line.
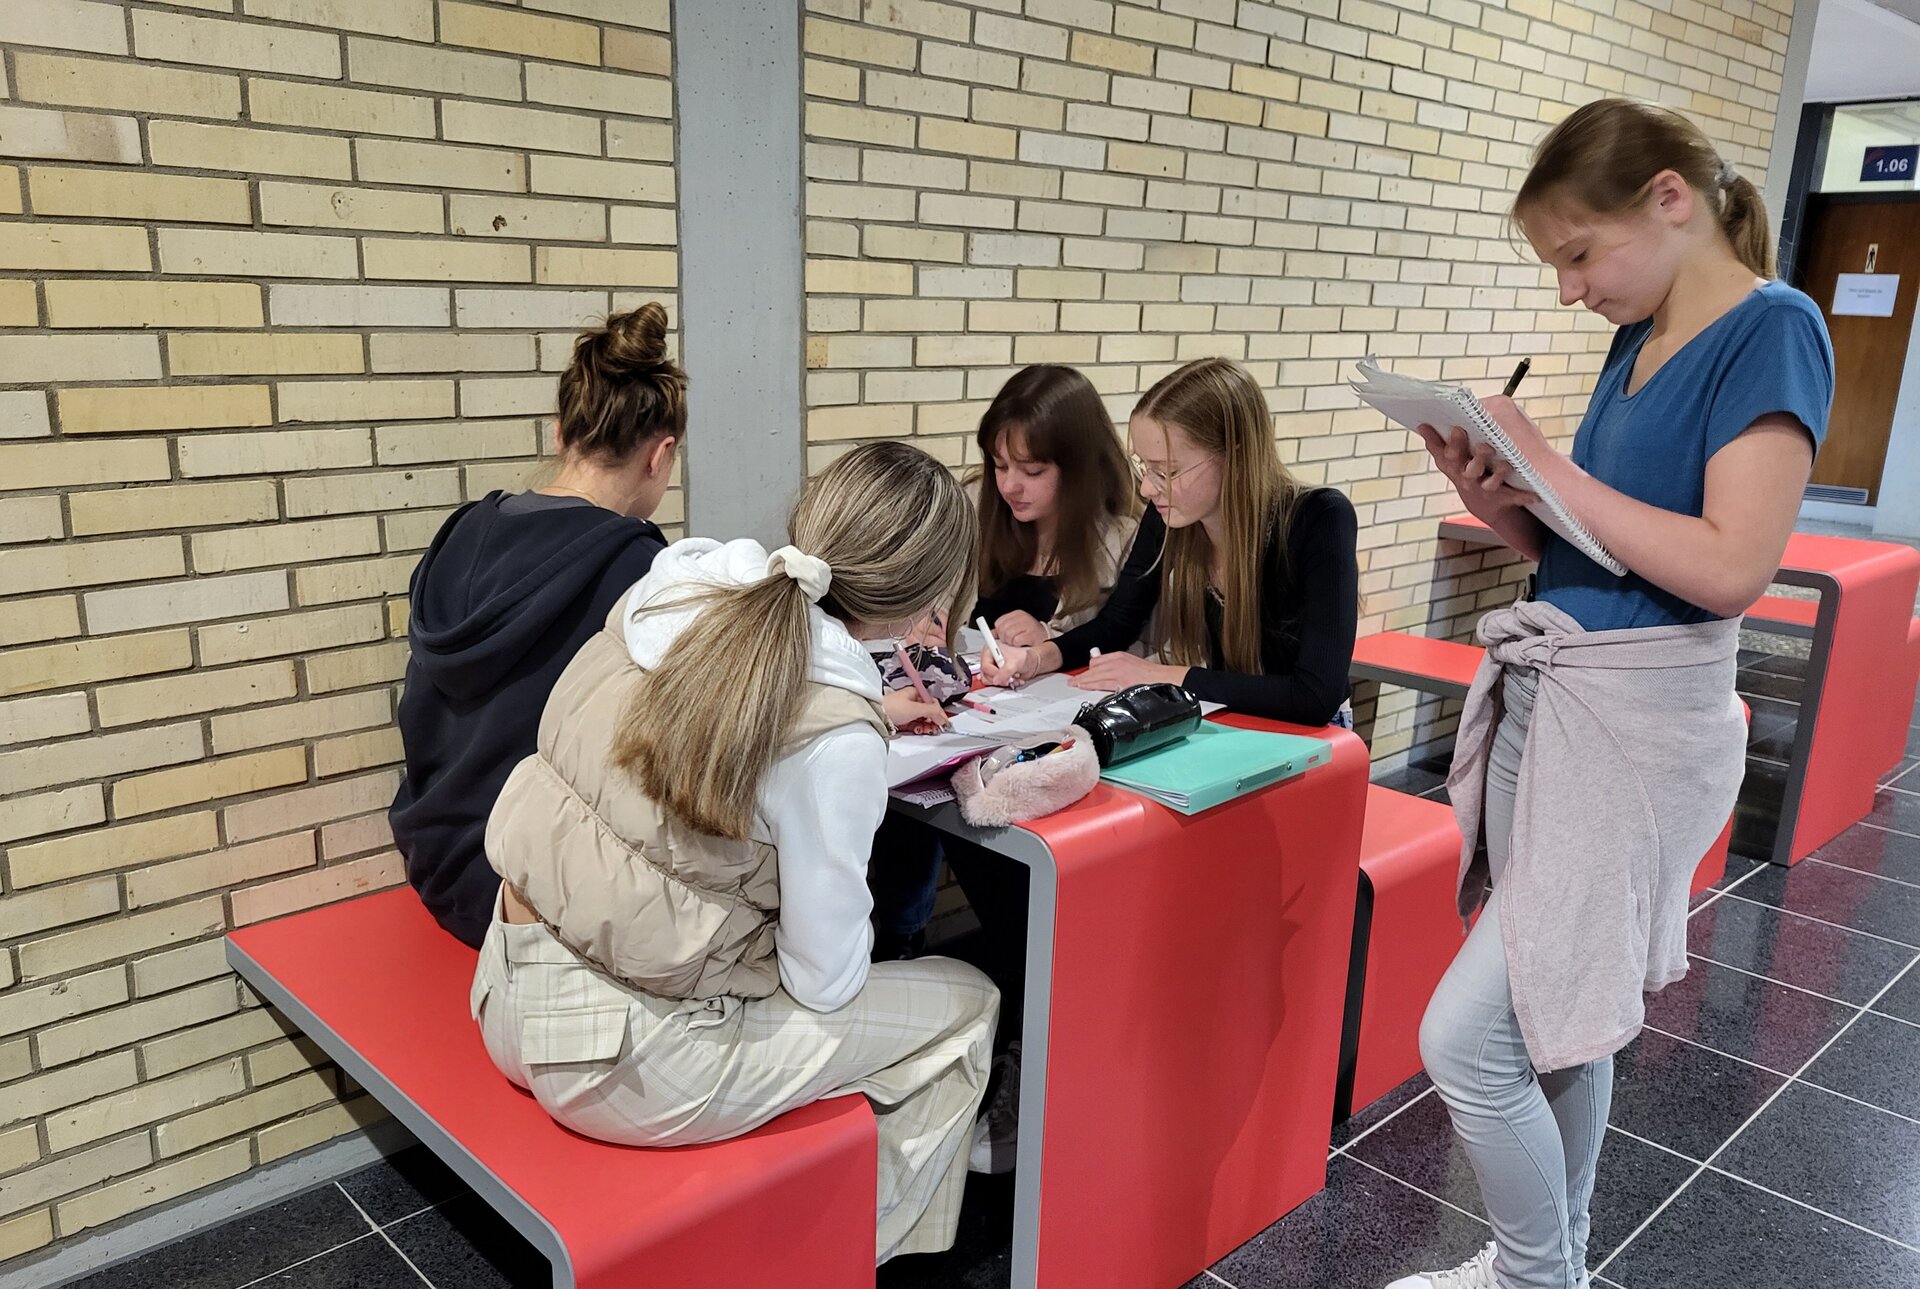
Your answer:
<point x="742" y="298"/>
<point x="1786" y="121"/>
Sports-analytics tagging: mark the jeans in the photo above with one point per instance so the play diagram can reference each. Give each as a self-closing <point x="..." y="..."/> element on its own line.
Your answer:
<point x="1533" y="1138"/>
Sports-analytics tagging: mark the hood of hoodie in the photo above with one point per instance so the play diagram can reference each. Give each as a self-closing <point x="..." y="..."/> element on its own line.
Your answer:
<point x="696" y="564"/>
<point x="481" y="599"/>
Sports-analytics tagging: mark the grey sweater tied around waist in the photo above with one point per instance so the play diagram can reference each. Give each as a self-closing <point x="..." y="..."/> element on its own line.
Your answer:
<point x="1632" y="761"/>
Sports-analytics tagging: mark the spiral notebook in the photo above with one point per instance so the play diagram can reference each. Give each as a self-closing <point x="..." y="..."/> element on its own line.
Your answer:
<point x="1413" y="403"/>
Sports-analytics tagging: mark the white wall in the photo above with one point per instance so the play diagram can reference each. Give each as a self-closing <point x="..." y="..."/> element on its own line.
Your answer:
<point x="1846" y="147"/>
<point x="1861" y="51"/>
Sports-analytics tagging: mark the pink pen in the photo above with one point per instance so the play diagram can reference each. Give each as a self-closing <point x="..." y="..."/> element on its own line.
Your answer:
<point x="976" y="705"/>
<point x="919" y="686"/>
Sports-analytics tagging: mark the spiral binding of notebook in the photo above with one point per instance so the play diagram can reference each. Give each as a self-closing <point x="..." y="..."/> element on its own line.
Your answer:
<point x="1413" y="403"/>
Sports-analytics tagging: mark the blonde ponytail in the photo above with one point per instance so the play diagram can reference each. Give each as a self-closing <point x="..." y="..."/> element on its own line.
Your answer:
<point x="896" y="534"/>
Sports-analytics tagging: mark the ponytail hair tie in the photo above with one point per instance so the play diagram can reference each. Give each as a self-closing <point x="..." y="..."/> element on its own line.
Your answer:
<point x="814" y="575"/>
<point x="1727" y="175"/>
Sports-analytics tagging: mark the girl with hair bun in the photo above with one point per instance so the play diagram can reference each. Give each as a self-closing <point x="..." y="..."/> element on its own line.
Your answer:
<point x="1618" y="689"/>
<point x="511" y="587"/>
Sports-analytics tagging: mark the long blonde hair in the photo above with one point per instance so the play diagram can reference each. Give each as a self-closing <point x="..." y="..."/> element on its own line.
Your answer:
<point x="1218" y="405"/>
<point x="1606" y="154"/>
<point x="1058" y="418"/>
<point x="706" y="724"/>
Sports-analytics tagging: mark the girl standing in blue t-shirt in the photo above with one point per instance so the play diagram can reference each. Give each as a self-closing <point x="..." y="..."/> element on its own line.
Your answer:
<point x="1689" y="467"/>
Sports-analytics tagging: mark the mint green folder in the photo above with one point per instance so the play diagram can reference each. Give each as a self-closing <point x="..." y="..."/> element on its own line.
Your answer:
<point x="1217" y="763"/>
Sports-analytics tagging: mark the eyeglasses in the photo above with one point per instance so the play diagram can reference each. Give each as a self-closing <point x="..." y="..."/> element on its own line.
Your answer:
<point x="1161" y="479"/>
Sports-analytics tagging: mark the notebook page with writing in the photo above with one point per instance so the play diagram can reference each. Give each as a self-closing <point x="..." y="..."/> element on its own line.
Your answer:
<point x="1412" y="403"/>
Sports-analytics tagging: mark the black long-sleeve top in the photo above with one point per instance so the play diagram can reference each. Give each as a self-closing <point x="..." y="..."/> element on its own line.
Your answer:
<point x="1309" y="606"/>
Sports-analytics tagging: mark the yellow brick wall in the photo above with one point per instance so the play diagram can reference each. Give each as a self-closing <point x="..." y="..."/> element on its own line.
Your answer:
<point x="1123" y="186"/>
<point x="281" y="283"/>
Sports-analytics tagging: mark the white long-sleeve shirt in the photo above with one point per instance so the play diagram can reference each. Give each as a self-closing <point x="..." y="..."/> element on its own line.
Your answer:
<point x="819" y="805"/>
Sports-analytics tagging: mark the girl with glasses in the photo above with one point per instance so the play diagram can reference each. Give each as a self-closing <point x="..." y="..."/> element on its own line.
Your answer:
<point x="1253" y="574"/>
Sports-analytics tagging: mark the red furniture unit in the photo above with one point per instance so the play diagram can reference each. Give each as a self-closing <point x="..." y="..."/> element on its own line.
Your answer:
<point x="1406" y="931"/>
<point x="383" y="991"/>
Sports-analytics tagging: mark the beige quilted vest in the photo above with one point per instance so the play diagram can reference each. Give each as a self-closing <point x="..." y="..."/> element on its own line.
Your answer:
<point x="670" y="910"/>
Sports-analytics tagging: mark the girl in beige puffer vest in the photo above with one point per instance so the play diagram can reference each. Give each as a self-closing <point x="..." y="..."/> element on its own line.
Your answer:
<point x="680" y="950"/>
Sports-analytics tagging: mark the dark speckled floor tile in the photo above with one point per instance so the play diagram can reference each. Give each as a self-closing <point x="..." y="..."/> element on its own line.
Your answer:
<point x="1363" y="1231"/>
<point x="1419" y="1147"/>
<point x="1897" y="810"/>
<point x="369" y="1263"/>
<point x="1900" y="776"/>
<point x="1841" y="1157"/>
<point x="1842" y="896"/>
<point x="1756" y="813"/>
<point x="1738" y="866"/>
<point x="1759" y="682"/>
<point x="465" y="1243"/>
<point x="1722" y="1234"/>
<point x="1795" y="950"/>
<point x="402" y="1185"/>
<point x="1876" y="1060"/>
<point x="243" y="1249"/>
<point x="1780" y="664"/>
<point x="1903" y="999"/>
<point x="1684" y="1097"/>
<point x="1385" y="1108"/>
<point x="1746" y="1017"/>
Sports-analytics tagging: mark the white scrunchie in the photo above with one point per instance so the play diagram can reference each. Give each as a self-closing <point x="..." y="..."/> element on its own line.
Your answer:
<point x="814" y="575"/>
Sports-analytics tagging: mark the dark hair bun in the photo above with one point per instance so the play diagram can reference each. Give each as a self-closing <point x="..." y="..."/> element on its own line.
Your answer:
<point x="621" y="389"/>
<point x="634" y="343"/>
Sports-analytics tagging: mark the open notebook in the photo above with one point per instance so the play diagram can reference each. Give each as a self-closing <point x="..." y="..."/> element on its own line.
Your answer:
<point x="1413" y="403"/>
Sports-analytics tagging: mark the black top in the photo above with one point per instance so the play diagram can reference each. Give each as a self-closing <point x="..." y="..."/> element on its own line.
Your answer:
<point x="1307" y="620"/>
<point x="1035" y="593"/>
<point x="506" y="595"/>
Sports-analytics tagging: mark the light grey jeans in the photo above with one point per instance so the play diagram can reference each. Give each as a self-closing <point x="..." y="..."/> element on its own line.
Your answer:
<point x="1534" y="1139"/>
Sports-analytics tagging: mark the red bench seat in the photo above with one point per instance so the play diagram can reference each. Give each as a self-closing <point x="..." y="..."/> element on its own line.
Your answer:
<point x="1406" y="931"/>
<point x="383" y="991"/>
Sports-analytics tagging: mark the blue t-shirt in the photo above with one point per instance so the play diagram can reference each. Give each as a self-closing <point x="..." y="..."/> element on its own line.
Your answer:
<point x="1767" y="354"/>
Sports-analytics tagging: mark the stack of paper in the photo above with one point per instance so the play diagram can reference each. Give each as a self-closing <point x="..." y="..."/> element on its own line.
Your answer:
<point x="1413" y="403"/>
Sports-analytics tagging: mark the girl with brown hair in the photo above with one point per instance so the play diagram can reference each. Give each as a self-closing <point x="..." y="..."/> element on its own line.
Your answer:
<point x="511" y="587"/>
<point x="1056" y="504"/>
<point x="1254" y="575"/>
<point x="1688" y="467"/>
<point x="679" y="950"/>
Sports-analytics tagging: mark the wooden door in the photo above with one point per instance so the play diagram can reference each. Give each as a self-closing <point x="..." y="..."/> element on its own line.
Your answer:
<point x="1870" y="354"/>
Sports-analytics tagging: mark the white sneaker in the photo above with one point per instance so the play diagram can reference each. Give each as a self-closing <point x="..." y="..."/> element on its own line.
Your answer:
<point x="1475" y="1273"/>
<point x="996" y="1131"/>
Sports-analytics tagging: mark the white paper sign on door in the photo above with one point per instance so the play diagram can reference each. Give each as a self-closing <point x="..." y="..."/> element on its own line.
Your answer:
<point x="1865" y="295"/>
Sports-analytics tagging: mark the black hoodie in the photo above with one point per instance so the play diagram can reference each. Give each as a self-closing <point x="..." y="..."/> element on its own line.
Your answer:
<point x="506" y="595"/>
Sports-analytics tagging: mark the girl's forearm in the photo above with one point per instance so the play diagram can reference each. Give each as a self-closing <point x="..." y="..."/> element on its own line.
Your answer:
<point x="1701" y="561"/>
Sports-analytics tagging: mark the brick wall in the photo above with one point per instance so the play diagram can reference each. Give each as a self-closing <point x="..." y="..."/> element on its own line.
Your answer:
<point x="1126" y="186"/>
<point x="281" y="282"/>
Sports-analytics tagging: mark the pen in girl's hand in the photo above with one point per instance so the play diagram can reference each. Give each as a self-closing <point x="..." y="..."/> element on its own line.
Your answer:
<point x="1519" y="374"/>
<point x="993" y="646"/>
<point x="919" y="685"/>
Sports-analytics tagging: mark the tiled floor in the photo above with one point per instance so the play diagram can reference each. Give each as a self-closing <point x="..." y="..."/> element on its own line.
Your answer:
<point x="1765" y="1131"/>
